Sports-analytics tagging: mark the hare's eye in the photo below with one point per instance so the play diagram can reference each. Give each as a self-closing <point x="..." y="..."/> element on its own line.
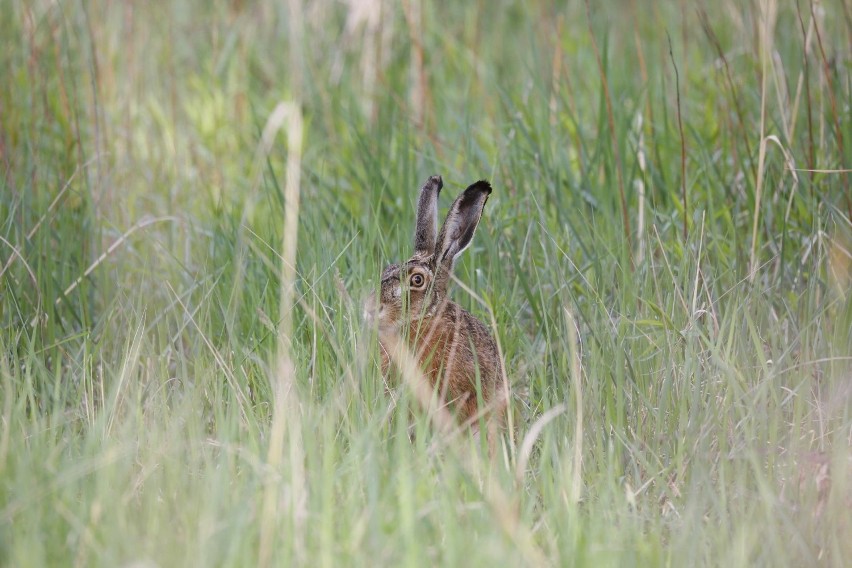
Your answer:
<point x="417" y="280"/>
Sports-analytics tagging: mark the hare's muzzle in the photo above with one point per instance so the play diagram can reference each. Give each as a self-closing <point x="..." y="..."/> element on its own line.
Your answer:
<point x="372" y="309"/>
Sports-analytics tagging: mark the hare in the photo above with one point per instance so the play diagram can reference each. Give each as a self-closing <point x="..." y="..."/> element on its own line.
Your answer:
<point x="454" y="349"/>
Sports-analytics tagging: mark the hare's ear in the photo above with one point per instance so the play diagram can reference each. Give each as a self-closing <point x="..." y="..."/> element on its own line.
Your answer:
<point x="461" y="223"/>
<point x="427" y="217"/>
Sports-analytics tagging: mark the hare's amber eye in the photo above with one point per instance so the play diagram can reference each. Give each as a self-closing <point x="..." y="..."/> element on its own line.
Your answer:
<point x="417" y="280"/>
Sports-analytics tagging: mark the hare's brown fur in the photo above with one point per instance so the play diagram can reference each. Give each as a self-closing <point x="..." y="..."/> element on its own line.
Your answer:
<point x="456" y="351"/>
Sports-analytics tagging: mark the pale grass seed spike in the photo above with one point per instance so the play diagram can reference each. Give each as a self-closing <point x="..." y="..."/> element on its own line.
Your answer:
<point x="454" y="349"/>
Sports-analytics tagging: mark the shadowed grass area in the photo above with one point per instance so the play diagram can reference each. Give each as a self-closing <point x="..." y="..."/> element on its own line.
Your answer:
<point x="666" y="261"/>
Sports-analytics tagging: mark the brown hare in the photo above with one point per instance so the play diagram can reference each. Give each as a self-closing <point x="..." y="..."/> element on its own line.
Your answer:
<point x="454" y="349"/>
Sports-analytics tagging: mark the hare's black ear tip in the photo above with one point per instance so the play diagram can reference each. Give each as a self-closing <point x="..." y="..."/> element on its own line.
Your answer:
<point x="481" y="185"/>
<point x="434" y="182"/>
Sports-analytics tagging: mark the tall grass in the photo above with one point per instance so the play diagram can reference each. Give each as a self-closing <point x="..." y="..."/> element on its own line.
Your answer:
<point x="665" y="261"/>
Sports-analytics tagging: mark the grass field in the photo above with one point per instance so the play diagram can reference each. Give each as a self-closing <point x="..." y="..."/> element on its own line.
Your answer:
<point x="196" y="197"/>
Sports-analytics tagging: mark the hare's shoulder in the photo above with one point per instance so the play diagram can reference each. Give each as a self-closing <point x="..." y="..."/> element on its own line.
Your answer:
<point x="456" y="317"/>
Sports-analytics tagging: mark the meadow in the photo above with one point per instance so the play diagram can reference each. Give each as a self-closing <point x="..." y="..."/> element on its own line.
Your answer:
<point x="197" y="197"/>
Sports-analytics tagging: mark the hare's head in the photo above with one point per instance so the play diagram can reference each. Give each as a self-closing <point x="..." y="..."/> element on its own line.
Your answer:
<point x="417" y="288"/>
